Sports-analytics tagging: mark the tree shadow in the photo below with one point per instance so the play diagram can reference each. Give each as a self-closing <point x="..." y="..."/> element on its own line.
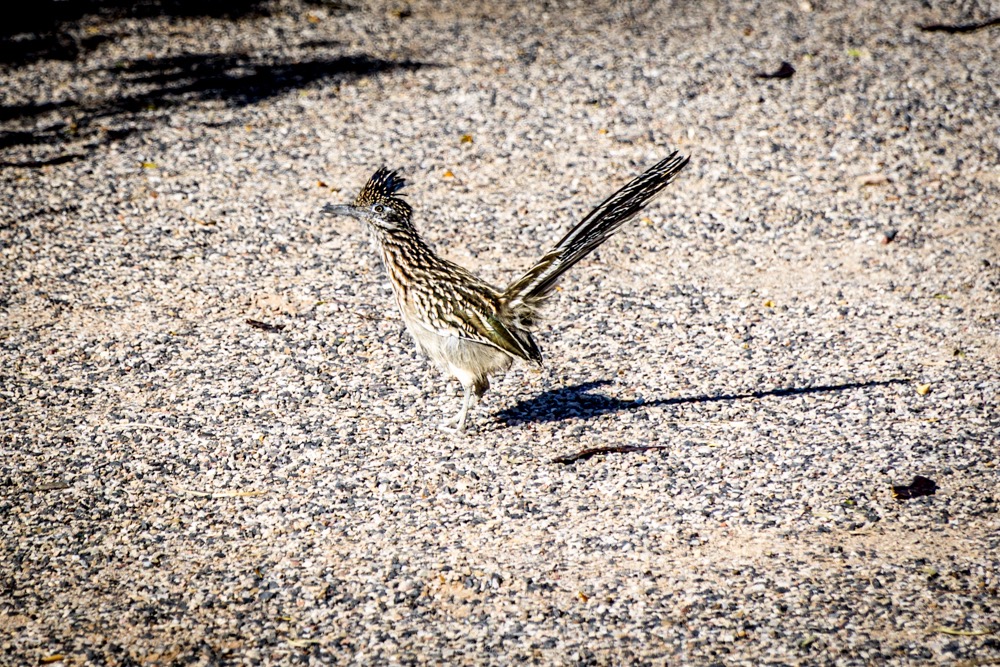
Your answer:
<point x="162" y="83"/>
<point x="578" y="402"/>
<point x="43" y="29"/>
<point x="145" y="89"/>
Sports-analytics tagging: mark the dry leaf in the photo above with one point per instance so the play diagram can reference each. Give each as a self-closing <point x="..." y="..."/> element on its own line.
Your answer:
<point x="785" y="71"/>
<point x="302" y="643"/>
<point x="871" y="179"/>
<point x="769" y="304"/>
<point x="466" y="138"/>
<point x="920" y="486"/>
<point x="962" y="633"/>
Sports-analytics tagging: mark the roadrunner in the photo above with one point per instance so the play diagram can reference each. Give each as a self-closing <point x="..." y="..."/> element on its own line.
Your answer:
<point x="465" y="325"/>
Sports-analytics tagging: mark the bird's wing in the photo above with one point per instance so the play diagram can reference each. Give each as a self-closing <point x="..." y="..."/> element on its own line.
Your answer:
<point x="478" y="316"/>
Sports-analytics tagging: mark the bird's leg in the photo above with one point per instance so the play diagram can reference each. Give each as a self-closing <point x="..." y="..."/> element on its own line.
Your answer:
<point x="464" y="412"/>
<point x="459" y="419"/>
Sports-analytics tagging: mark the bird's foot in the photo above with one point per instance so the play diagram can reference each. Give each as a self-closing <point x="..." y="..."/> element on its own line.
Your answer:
<point x="454" y="424"/>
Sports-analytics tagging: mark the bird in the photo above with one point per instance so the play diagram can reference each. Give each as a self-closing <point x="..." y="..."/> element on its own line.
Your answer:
<point x="466" y="326"/>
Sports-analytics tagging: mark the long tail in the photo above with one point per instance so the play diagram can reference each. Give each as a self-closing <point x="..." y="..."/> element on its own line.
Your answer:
<point x="531" y="289"/>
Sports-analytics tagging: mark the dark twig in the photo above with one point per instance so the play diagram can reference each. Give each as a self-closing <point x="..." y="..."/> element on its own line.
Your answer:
<point x="264" y="326"/>
<point x="785" y="71"/>
<point x="921" y="486"/>
<point x="956" y="28"/>
<point x="566" y="459"/>
<point x="52" y="486"/>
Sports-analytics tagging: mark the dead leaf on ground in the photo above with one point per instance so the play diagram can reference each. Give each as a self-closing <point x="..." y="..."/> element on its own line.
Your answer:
<point x="920" y="486"/>
<point x="784" y="71"/>
<point x="872" y="179"/>
<point x="265" y="326"/>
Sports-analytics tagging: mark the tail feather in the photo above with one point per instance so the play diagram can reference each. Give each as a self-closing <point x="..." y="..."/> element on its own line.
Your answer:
<point x="528" y="291"/>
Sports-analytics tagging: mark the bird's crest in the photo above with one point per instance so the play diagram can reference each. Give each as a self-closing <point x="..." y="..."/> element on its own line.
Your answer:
<point x="383" y="184"/>
<point x="383" y="188"/>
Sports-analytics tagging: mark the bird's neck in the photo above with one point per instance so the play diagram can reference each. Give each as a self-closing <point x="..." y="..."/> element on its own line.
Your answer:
<point x="405" y="255"/>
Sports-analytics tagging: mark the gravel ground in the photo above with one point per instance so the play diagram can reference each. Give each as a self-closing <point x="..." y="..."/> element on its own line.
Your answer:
<point x="808" y="316"/>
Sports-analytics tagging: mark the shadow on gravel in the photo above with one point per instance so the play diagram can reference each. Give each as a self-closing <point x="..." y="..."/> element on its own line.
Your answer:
<point x="578" y="401"/>
<point x="149" y="87"/>
<point x="43" y="29"/>
<point x="138" y="93"/>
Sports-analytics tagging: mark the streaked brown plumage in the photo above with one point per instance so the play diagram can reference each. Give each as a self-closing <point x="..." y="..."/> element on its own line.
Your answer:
<point x="465" y="325"/>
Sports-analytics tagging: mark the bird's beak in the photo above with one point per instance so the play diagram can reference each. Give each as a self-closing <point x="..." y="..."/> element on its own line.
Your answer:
<point x="342" y="209"/>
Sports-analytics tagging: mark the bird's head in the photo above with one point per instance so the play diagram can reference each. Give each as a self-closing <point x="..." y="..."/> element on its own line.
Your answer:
<point x="379" y="203"/>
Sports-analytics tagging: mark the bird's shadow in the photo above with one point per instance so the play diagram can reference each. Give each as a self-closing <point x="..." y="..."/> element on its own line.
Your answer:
<point x="580" y="401"/>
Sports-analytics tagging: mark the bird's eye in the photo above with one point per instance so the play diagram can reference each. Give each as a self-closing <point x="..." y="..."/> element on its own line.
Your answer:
<point x="379" y="208"/>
